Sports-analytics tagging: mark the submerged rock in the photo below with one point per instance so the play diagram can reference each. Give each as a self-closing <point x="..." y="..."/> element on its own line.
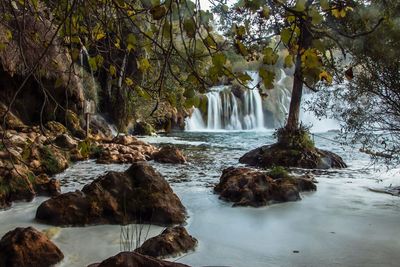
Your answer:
<point x="138" y="194"/>
<point x="248" y="187"/>
<point x="27" y="247"/>
<point x="132" y="259"/>
<point x="170" y="243"/>
<point x="169" y="154"/>
<point x="277" y="155"/>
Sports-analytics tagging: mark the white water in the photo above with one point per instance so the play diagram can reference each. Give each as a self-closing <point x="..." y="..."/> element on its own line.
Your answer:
<point x="341" y="224"/>
<point x="227" y="112"/>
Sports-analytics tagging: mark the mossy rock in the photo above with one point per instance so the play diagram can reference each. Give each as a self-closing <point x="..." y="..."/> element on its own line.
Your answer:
<point x="73" y="124"/>
<point x="143" y="128"/>
<point x="52" y="160"/>
<point x="56" y="127"/>
<point x="269" y="156"/>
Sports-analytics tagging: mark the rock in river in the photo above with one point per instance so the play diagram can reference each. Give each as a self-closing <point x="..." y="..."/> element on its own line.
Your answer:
<point x="277" y="155"/>
<point x="248" y="187"/>
<point x="27" y="247"/>
<point x="138" y="194"/>
<point x="169" y="154"/>
<point x="170" y="243"/>
<point x="132" y="259"/>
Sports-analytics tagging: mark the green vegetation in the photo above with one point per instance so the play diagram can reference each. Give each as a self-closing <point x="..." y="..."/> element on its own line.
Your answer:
<point x="88" y="149"/>
<point x="278" y="172"/>
<point x="49" y="161"/>
<point x="297" y="139"/>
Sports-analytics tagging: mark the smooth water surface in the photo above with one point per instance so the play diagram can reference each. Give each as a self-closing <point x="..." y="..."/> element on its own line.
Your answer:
<point x="341" y="224"/>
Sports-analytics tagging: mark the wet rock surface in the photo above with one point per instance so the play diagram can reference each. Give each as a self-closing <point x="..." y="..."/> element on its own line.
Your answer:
<point x="278" y="155"/>
<point x="249" y="187"/>
<point x="27" y="247"/>
<point x="170" y="243"/>
<point x="125" y="149"/>
<point x="132" y="259"/>
<point x="169" y="154"/>
<point x="138" y="194"/>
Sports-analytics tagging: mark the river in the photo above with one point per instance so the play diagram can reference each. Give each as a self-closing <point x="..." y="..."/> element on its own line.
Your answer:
<point x="341" y="224"/>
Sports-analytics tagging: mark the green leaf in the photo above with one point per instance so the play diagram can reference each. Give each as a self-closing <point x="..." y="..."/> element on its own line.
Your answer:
<point x="241" y="48"/>
<point x="243" y="77"/>
<point x="270" y="57"/>
<point x="219" y="60"/>
<point x="240" y="31"/>
<point x="315" y="16"/>
<point x="131" y="41"/>
<point x="265" y="12"/>
<point x="143" y="64"/>
<point x="300" y="5"/>
<point x="167" y="30"/>
<point x="268" y="77"/>
<point x="189" y="27"/>
<point x="288" y="63"/>
<point x="286" y="35"/>
<point x="150" y="3"/>
<point x="189" y="93"/>
<point x="324" y="4"/>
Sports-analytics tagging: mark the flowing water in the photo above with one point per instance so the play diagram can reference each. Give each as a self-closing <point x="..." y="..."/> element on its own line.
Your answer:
<point x="341" y="224"/>
<point x="226" y="111"/>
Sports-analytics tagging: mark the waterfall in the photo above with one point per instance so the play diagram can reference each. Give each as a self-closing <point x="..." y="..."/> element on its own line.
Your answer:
<point x="90" y="85"/>
<point x="226" y="111"/>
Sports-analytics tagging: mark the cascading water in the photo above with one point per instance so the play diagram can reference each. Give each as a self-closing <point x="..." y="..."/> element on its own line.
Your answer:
<point x="225" y="111"/>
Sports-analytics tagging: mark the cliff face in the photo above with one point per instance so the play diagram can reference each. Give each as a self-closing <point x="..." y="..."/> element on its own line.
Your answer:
<point x="36" y="71"/>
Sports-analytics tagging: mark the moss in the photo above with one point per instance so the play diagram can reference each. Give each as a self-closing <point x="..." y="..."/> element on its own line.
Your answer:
<point x="4" y="189"/>
<point x="143" y="128"/>
<point x="278" y="172"/>
<point x="49" y="161"/>
<point x="88" y="149"/>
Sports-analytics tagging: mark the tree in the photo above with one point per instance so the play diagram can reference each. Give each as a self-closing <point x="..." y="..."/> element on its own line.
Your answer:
<point x="140" y="51"/>
<point x="308" y="30"/>
<point x="368" y="104"/>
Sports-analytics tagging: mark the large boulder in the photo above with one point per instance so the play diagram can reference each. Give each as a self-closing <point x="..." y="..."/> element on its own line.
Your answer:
<point x="248" y="187"/>
<point x="132" y="259"/>
<point x="18" y="183"/>
<point x="170" y="243"/>
<point x="278" y="155"/>
<point x="143" y="128"/>
<point x="27" y="247"/>
<point x="138" y="194"/>
<point x="65" y="141"/>
<point x="169" y="154"/>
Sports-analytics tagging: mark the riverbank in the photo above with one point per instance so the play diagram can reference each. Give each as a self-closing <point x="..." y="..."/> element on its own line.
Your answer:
<point x="341" y="224"/>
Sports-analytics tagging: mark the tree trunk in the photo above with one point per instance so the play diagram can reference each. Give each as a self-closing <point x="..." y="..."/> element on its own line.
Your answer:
<point x="295" y="101"/>
<point x="305" y="41"/>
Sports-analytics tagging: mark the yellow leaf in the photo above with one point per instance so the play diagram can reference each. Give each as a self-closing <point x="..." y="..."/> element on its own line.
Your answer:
<point x="143" y="64"/>
<point x="100" y="36"/>
<point x="9" y="35"/>
<point x="288" y="61"/>
<point x="128" y="81"/>
<point x="325" y="76"/>
<point x="113" y="70"/>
